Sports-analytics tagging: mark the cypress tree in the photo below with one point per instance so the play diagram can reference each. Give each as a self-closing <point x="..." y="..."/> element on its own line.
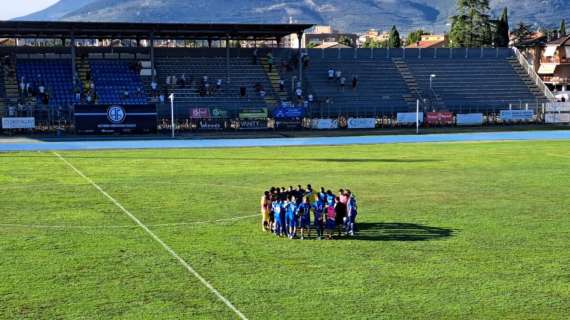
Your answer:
<point x="562" y="30"/>
<point x="502" y="31"/>
<point x="394" y="39"/>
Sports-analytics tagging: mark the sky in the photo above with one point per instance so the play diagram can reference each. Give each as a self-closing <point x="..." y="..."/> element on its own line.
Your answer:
<point x="18" y="8"/>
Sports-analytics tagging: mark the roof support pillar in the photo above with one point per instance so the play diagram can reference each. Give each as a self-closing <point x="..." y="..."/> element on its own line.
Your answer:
<point x="73" y="61"/>
<point x="152" y="56"/>
<point x="228" y="59"/>
<point x="300" y="57"/>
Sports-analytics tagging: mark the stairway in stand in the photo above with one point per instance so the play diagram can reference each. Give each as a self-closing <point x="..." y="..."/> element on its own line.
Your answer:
<point x="11" y="91"/>
<point x="525" y="78"/>
<point x="83" y="70"/>
<point x="274" y="78"/>
<point x="410" y="81"/>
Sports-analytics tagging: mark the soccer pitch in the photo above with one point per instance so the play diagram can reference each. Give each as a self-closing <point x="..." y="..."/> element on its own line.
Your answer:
<point x="446" y="231"/>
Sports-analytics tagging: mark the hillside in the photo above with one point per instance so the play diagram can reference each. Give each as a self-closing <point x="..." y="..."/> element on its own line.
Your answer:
<point x="354" y="15"/>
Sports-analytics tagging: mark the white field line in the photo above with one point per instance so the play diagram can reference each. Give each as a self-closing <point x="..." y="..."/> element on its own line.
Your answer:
<point x="157" y="239"/>
<point x="40" y="226"/>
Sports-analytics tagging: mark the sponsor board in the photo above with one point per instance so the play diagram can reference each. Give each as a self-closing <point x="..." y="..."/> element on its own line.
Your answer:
<point x="469" y="119"/>
<point x="517" y="115"/>
<point x="558" y="107"/>
<point x="115" y="118"/>
<point x="287" y="124"/>
<point x="200" y="113"/>
<point x="219" y="113"/>
<point x="557" y="118"/>
<point x="439" y="118"/>
<point x="409" y="117"/>
<point x="324" y="124"/>
<point x="361" y="123"/>
<point x="210" y="124"/>
<point x="289" y="112"/>
<point x="19" y="123"/>
<point x="253" y="113"/>
<point x="252" y="124"/>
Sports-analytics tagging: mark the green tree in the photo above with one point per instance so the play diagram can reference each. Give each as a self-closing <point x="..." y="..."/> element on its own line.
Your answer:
<point x="470" y="27"/>
<point x="345" y="40"/>
<point x="521" y="32"/>
<point x="416" y="36"/>
<point x="394" y="38"/>
<point x="562" y="29"/>
<point x="501" y="37"/>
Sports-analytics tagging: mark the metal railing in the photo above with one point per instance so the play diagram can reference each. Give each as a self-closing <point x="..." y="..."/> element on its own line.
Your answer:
<point x="533" y="75"/>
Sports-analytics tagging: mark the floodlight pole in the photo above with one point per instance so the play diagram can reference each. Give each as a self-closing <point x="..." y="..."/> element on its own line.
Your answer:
<point x="418" y="116"/>
<point x="171" y="97"/>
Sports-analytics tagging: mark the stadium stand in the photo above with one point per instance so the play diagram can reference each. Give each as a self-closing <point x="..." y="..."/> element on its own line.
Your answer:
<point x="243" y="73"/>
<point x="2" y="90"/>
<point x="55" y="74"/>
<point x="480" y="83"/>
<point x="117" y="81"/>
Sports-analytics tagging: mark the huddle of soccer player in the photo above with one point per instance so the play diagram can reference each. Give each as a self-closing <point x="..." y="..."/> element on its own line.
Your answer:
<point x="287" y="212"/>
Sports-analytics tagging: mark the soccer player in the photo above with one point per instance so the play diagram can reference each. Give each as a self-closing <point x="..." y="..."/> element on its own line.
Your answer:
<point x="331" y="221"/>
<point x="277" y="209"/>
<point x="351" y="211"/>
<point x="318" y="211"/>
<point x="290" y="216"/>
<point x="304" y="213"/>
<point x="340" y="214"/>
<point x="265" y="208"/>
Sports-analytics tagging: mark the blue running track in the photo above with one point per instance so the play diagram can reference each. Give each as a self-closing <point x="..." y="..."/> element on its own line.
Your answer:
<point x="36" y="145"/>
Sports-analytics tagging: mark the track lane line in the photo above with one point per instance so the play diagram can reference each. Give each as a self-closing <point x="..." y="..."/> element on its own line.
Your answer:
<point x="157" y="239"/>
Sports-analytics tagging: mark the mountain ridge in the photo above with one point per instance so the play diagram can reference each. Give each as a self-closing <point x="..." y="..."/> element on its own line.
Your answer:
<point x="349" y="16"/>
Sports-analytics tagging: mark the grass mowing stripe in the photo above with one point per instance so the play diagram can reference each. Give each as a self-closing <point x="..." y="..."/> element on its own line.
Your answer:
<point x="39" y="226"/>
<point x="157" y="239"/>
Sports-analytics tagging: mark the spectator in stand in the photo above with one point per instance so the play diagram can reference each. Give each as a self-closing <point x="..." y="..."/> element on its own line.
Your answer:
<point x="331" y="73"/>
<point x="254" y="56"/>
<point x="182" y="81"/>
<point x="281" y="85"/>
<point x="305" y="59"/>
<point x="270" y="61"/>
<point x="262" y="93"/>
<point x="23" y="92"/>
<point x="219" y="84"/>
<point x="242" y="91"/>
<point x="354" y="82"/>
<point x="338" y="74"/>
<point x="299" y="94"/>
<point x="126" y="94"/>
<point x="174" y="81"/>
<point x="161" y="98"/>
<point x="11" y="111"/>
<point x="154" y="87"/>
<point x="168" y="81"/>
<point x="310" y="99"/>
<point x="342" y="83"/>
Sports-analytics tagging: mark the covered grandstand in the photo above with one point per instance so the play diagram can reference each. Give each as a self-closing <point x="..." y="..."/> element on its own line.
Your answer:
<point x="237" y="67"/>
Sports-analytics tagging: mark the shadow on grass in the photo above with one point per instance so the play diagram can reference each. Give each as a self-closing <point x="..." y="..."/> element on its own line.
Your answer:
<point x="331" y="160"/>
<point x="399" y="232"/>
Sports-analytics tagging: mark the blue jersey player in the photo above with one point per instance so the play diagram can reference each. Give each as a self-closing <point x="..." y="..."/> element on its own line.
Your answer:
<point x="290" y="216"/>
<point x="278" y="224"/>
<point x="318" y="212"/>
<point x="304" y="214"/>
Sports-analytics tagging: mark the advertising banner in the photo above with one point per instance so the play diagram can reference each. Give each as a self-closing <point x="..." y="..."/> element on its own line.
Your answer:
<point x="558" y="107"/>
<point x="219" y="113"/>
<point x="517" y="115"/>
<point x="289" y="112"/>
<point x="439" y="118"/>
<point x="361" y="123"/>
<point x="19" y="123"/>
<point x="557" y="118"/>
<point x="252" y="124"/>
<point x="253" y="113"/>
<point x="210" y="124"/>
<point x="288" y="124"/>
<point x="200" y="113"/>
<point x="324" y="124"/>
<point x="470" y="119"/>
<point x="116" y="118"/>
<point x="409" y="117"/>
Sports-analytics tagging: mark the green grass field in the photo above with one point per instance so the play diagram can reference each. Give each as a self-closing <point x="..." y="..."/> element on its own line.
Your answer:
<point x="447" y="231"/>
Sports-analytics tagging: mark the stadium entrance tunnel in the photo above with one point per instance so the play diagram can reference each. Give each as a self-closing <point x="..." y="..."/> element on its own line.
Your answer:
<point x="393" y="231"/>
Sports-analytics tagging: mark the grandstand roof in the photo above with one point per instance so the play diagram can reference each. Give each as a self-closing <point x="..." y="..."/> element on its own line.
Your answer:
<point x="127" y="30"/>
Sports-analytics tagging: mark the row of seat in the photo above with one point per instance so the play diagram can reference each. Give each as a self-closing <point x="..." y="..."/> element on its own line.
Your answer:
<point x="116" y="82"/>
<point x="56" y="75"/>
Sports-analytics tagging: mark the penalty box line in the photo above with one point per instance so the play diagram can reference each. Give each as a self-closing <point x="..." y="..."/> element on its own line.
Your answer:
<point x="156" y="238"/>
